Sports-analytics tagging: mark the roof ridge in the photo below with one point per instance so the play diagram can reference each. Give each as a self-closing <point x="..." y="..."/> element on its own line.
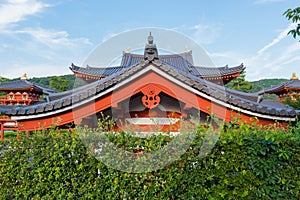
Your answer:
<point x="214" y="91"/>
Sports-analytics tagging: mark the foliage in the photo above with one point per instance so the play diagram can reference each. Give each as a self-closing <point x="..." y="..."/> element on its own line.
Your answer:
<point x="2" y="94"/>
<point x="10" y="134"/>
<point x="246" y="163"/>
<point x="59" y="83"/>
<point x="72" y="81"/>
<point x="42" y="81"/>
<point x="294" y="16"/>
<point x="240" y="83"/>
<point x="2" y="79"/>
<point x="295" y="104"/>
<point x="265" y="83"/>
<point x="46" y="81"/>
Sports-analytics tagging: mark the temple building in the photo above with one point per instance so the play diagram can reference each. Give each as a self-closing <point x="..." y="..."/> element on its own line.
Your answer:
<point x="22" y="92"/>
<point x="149" y="92"/>
<point x="289" y="88"/>
<point x="183" y="62"/>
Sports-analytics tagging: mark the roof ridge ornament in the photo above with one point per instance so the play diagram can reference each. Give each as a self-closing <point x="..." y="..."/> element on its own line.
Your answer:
<point x="127" y="50"/>
<point x="24" y="77"/>
<point x="150" y="52"/>
<point x="294" y="76"/>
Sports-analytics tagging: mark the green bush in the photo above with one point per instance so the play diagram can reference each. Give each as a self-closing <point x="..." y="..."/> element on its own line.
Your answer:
<point x="246" y="162"/>
<point x="10" y="134"/>
<point x="293" y="103"/>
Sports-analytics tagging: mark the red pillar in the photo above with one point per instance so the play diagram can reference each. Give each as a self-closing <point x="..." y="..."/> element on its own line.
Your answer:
<point x="2" y="130"/>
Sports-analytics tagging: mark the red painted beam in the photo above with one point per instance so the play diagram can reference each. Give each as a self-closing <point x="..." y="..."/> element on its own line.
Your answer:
<point x="122" y="93"/>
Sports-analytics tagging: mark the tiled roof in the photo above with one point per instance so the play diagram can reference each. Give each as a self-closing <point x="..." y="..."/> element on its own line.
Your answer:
<point x="94" y="71"/>
<point x="219" y="71"/>
<point x="5" y="109"/>
<point x="275" y="104"/>
<point x="288" y="85"/>
<point x="24" y="85"/>
<point x="244" y="101"/>
<point x="19" y="84"/>
<point x="181" y="62"/>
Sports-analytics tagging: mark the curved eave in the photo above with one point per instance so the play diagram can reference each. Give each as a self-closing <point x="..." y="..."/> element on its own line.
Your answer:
<point x="30" y="89"/>
<point x="291" y="85"/>
<point x="281" y="91"/>
<point x="212" y="72"/>
<point x="221" y="76"/>
<point x="200" y="87"/>
<point x="93" y="72"/>
<point x="88" y="76"/>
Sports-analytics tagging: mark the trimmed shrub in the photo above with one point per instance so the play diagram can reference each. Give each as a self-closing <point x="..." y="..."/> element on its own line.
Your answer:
<point x="246" y="162"/>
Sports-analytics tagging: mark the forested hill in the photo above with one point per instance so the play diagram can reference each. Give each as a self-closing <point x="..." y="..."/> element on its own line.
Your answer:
<point x="46" y="80"/>
<point x="265" y="83"/>
<point x="66" y="82"/>
<point x="60" y="83"/>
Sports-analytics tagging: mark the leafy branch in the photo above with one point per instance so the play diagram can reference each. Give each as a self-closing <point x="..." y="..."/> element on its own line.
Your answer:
<point x="294" y="16"/>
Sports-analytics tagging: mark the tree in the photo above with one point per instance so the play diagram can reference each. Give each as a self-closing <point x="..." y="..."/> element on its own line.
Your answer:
<point x="294" y="16"/>
<point x="59" y="83"/>
<point x="293" y="103"/>
<point x="2" y="79"/>
<point x="240" y="83"/>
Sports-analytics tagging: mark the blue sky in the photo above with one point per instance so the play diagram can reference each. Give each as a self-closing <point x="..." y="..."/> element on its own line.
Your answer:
<point x="42" y="38"/>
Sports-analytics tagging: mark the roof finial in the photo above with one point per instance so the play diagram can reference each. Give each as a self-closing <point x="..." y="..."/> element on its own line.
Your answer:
<point x="127" y="50"/>
<point x="24" y="77"/>
<point x="150" y="52"/>
<point x="294" y="76"/>
<point x="150" y="39"/>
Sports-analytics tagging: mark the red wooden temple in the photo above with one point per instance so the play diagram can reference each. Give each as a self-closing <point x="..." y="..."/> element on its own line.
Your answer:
<point x="22" y="92"/>
<point x="149" y="92"/>
<point x="289" y="88"/>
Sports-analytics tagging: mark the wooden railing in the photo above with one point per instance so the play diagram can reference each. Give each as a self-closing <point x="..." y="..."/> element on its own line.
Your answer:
<point x="6" y="123"/>
<point x="2" y="98"/>
<point x="16" y="101"/>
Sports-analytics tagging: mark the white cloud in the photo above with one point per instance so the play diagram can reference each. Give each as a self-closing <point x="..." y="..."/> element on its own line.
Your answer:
<point x="109" y="36"/>
<point x="288" y="55"/>
<point x="202" y="33"/>
<point x="54" y="38"/>
<point x="13" y="11"/>
<point x="34" y="70"/>
<point x="42" y="51"/>
<point x="267" y="1"/>
<point x="277" y="59"/>
<point x="280" y="37"/>
<point x="229" y="58"/>
<point x="206" y="34"/>
<point x="273" y="62"/>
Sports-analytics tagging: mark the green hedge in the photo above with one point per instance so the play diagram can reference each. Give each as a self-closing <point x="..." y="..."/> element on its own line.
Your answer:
<point x="246" y="163"/>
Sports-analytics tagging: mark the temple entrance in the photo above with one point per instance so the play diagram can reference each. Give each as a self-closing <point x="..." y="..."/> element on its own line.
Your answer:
<point x="163" y="114"/>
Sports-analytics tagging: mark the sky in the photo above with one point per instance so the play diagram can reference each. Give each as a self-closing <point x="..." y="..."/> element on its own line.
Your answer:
<point x="42" y="38"/>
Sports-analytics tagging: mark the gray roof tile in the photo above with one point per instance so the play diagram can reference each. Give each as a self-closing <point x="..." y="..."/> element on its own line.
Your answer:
<point x="180" y="62"/>
<point x="240" y="99"/>
<point x="290" y="84"/>
<point x="24" y="84"/>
